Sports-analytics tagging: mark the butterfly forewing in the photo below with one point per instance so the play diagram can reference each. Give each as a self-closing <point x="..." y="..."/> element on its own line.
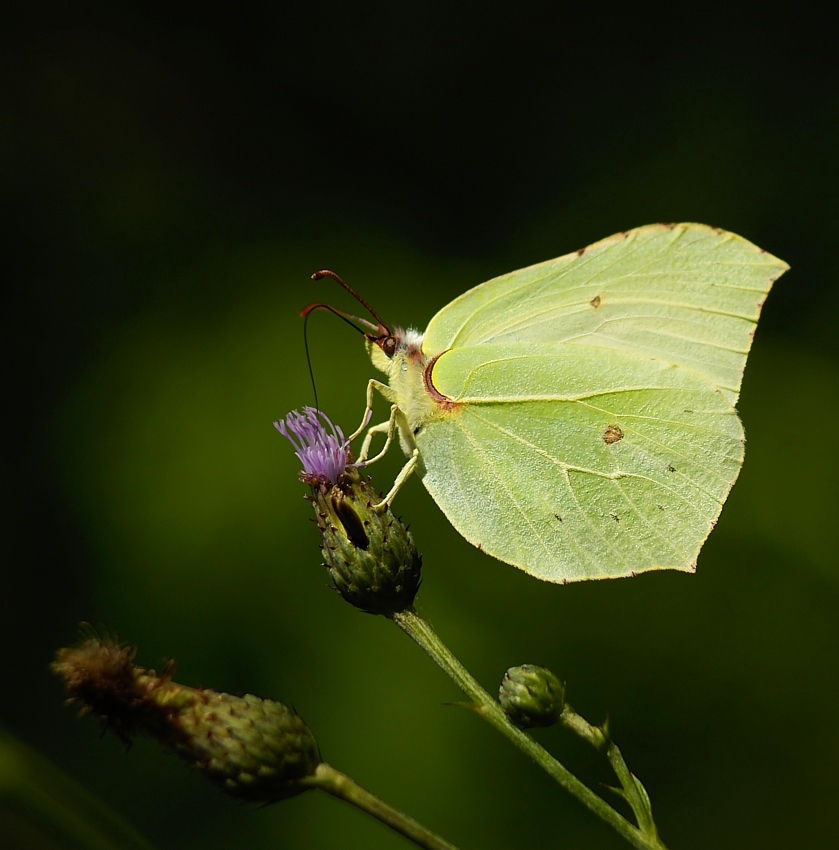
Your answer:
<point x="687" y="294"/>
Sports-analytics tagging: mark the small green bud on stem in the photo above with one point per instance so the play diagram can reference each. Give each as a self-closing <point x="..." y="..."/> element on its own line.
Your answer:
<point x="531" y="696"/>
<point x="255" y="749"/>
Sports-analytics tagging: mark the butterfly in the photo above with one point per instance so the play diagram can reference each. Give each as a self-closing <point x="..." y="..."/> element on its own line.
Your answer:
<point x="576" y="418"/>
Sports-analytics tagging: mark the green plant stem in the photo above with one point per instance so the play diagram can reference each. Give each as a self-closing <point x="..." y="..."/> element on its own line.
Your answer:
<point x="633" y="791"/>
<point x="340" y="785"/>
<point x="424" y="635"/>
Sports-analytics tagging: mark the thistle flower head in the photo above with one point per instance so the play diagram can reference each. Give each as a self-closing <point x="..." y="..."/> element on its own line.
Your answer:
<point x="531" y="696"/>
<point x="319" y="445"/>
<point x="370" y="553"/>
<point x="254" y="749"/>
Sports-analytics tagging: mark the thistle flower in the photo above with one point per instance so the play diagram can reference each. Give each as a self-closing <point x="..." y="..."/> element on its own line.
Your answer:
<point x="531" y="696"/>
<point x="254" y="749"/>
<point x="369" y="553"/>
<point x="319" y="445"/>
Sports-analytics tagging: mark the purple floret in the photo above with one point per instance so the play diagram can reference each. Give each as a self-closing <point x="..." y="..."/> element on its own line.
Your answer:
<point x="319" y="445"/>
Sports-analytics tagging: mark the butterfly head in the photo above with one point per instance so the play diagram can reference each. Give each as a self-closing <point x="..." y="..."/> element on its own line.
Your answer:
<point x="390" y="348"/>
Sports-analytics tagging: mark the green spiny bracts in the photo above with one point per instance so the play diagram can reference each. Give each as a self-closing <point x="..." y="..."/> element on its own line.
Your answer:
<point x="255" y="749"/>
<point x="369" y="553"/>
<point x="531" y="696"/>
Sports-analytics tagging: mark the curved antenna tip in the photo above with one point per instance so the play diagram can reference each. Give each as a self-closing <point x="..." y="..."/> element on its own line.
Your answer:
<point x="327" y="273"/>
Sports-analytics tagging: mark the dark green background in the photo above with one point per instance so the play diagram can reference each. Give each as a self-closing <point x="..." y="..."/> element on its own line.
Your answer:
<point x="169" y="182"/>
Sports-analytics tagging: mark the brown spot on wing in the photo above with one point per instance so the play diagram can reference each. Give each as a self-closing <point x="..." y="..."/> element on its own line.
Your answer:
<point x="595" y="302"/>
<point x="612" y="434"/>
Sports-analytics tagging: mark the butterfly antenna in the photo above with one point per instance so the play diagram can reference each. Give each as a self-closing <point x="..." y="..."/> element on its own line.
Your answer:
<point x="375" y="333"/>
<point x="329" y="273"/>
<point x="350" y="320"/>
<point x="309" y="358"/>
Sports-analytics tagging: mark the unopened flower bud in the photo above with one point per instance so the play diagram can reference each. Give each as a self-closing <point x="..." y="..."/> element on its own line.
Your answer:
<point x="369" y="552"/>
<point x="255" y="749"/>
<point x="531" y="696"/>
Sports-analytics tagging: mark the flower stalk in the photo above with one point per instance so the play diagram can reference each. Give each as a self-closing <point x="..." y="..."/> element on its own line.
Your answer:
<point x="341" y="786"/>
<point x="631" y="788"/>
<point x="374" y="565"/>
<point x="422" y="633"/>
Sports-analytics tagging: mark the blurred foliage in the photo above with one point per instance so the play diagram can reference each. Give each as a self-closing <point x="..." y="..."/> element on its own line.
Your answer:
<point x="41" y="807"/>
<point x="170" y="182"/>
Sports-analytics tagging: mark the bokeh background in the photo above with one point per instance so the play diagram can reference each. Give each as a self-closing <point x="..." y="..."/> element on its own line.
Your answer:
<point x="170" y="180"/>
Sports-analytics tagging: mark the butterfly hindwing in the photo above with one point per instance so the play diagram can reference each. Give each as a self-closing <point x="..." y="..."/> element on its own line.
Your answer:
<point x="626" y="475"/>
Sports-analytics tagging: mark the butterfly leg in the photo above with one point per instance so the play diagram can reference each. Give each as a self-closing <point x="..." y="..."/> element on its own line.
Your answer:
<point x="388" y="428"/>
<point x="372" y="387"/>
<point x="403" y="476"/>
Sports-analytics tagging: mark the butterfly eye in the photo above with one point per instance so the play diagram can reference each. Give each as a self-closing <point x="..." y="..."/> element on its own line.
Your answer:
<point x="388" y="344"/>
